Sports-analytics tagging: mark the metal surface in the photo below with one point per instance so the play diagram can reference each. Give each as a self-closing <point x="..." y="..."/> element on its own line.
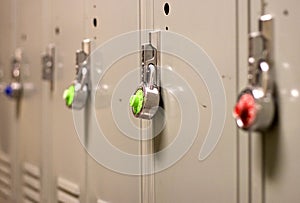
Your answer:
<point x="68" y="157"/>
<point x="14" y="89"/>
<point x="260" y="81"/>
<point x="276" y="156"/>
<point x="150" y="76"/>
<point x="41" y="158"/>
<point x="191" y="180"/>
<point x="8" y="135"/>
<point x="82" y="81"/>
<point x="48" y="62"/>
<point x="29" y="122"/>
<point x="101" y="180"/>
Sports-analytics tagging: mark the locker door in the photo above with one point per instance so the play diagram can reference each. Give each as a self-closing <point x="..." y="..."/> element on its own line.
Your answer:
<point x="275" y="151"/>
<point x="47" y="111"/>
<point x="212" y="26"/>
<point x="107" y="20"/>
<point x="7" y="108"/>
<point x="29" y="39"/>
<point x="68" y="155"/>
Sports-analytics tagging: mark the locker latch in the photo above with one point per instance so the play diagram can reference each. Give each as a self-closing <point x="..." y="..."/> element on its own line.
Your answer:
<point x="144" y="102"/>
<point x="255" y="107"/>
<point x="77" y="93"/>
<point x="15" y="88"/>
<point x="48" y="64"/>
<point x="2" y="83"/>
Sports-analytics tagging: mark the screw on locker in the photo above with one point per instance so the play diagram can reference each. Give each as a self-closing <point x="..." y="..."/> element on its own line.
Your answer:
<point x="48" y="63"/>
<point x="76" y="94"/>
<point x="255" y="107"/>
<point x="144" y="102"/>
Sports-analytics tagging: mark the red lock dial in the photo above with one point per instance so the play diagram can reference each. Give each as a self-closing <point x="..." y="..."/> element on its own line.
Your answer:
<point x="245" y="111"/>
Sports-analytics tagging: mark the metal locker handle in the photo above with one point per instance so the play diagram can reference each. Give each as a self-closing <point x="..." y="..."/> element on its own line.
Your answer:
<point x="48" y="65"/>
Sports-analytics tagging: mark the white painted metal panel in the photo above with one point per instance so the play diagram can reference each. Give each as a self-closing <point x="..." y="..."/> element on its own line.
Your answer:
<point x="113" y="18"/>
<point x="68" y="155"/>
<point x="7" y="107"/>
<point x="29" y="35"/>
<point x="211" y="25"/>
<point x="278" y="148"/>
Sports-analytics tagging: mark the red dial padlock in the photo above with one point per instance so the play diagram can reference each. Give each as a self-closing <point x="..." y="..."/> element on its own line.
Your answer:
<point x="255" y="107"/>
<point x="254" y="110"/>
<point x="245" y="111"/>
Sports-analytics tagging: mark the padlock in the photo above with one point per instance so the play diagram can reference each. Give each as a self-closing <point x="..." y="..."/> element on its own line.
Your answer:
<point x="254" y="110"/>
<point x="76" y="94"/>
<point x="144" y="102"/>
<point x="255" y="107"/>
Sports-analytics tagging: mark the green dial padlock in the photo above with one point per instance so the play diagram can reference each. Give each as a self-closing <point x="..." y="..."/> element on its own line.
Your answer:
<point x="136" y="101"/>
<point x="69" y="95"/>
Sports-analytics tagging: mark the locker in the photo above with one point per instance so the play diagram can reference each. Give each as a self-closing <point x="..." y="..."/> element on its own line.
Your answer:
<point x="28" y="120"/>
<point x="8" y="131"/>
<point x="189" y="180"/>
<point x="103" y="182"/>
<point x="274" y="166"/>
<point x="50" y="152"/>
<point x="68" y="165"/>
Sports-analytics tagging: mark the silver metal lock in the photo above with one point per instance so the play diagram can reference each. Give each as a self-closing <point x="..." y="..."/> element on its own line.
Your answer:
<point x="15" y="88"/>
<point x="48" y="62"/>
<point x="144" y="102"/>
<point x="77" y="93"/>
<point x="255" y="107"/>
<point x="2" y="84"/>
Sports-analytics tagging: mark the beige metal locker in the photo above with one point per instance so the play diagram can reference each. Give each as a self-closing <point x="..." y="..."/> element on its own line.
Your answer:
<point x="274" y="164"/>
<point x="51" y="153"/>
<point x="162" y="191"/>
<point x="211" y="25"/>
<point x="68" y="155"/>
<point x="8" y="128"/>
<point x="104" y="22"/>
<point x="29" y="125"/>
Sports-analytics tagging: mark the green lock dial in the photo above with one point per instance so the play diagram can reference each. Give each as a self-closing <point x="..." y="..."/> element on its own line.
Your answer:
<point x="69" y="95"/>
<point x="136" y="101"/>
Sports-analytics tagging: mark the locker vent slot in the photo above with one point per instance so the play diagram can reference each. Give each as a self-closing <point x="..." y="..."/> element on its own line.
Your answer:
<point x="31" y="183"/>
<point x="101" y="201"/>
<point x="5" y="176"/>
<point x="67" y="192"/>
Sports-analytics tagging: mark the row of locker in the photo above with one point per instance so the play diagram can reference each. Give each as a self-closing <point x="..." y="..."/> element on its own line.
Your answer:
<point x="42" y="157"/>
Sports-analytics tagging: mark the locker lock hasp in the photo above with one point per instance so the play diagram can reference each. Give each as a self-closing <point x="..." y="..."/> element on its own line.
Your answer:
<point x="144" y="102"/>
<point x="255" y="107"/>
<point x="76" y="94"/>
<point x="14" y="89"/>
<point x="48" y="64"/>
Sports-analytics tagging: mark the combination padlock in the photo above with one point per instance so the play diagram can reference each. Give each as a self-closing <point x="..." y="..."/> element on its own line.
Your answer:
<point x="76" y="94"/>
<point x="255" y="107"/>
<point x="144" y="102"/>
